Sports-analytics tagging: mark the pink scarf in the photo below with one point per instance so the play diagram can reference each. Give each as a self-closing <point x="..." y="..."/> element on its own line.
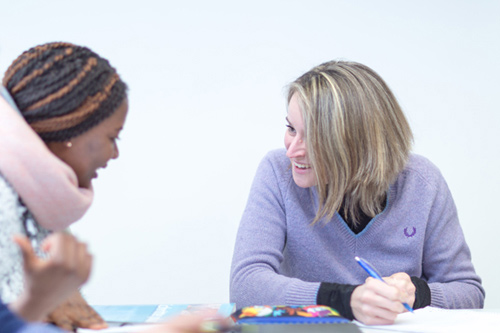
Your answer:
<point x="47" y="185"/>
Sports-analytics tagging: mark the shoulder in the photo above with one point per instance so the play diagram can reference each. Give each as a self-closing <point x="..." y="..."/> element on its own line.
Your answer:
<point x="421" y="168"/>
<point x="277" y="157"/>
<point x="275" y="164"/>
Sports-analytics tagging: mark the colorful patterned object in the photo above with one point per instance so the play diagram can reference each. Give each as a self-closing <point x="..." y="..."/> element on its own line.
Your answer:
<point x="282" y="314"/>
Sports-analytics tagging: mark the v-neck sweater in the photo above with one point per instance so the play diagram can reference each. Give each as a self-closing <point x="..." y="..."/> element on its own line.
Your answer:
<point x="281" y="259"/>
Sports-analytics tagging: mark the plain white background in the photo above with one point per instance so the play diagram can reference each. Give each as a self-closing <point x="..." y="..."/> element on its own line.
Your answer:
<point x="207" y="100"/>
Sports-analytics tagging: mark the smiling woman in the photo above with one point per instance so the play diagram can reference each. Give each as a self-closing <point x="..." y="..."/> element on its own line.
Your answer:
<point x="345" y="186"/>
<point x="92" y="150"/>
<point x="76" y="104"/>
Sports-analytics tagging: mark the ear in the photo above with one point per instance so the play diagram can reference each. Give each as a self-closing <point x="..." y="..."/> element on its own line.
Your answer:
<point x="58" y="148"/>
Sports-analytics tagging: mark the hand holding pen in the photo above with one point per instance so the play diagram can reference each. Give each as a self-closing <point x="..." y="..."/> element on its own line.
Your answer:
<point x="379" y="301"/>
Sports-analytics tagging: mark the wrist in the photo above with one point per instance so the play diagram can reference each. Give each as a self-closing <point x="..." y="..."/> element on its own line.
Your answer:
<point x="337" y="296"/>
<point x="422" y="293"/>
<point x="28" y="309"/>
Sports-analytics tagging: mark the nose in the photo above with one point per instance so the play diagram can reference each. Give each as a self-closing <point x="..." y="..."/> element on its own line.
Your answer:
<point x="296" y="148"/>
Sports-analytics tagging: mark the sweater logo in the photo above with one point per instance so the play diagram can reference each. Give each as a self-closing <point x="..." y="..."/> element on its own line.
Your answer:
<point x="407" y="234"/>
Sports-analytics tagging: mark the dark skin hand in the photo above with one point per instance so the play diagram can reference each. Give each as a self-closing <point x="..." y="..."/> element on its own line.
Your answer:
<point x="74" y="313"/>
<point x="50" y="281"/>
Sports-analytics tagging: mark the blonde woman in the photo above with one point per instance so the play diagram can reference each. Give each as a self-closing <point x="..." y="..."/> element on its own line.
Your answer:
<point x="347" y="185"/>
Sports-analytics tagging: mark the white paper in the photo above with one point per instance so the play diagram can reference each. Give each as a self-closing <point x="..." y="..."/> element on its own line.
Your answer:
<point x="437" y="320"/>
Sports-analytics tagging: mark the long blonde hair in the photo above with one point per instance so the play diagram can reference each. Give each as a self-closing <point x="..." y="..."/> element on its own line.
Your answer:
<point x="358" y="139"/>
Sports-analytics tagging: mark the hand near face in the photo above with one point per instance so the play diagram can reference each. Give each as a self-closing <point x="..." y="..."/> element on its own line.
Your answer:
<point x="379" y="303"/>
<point x="75" y="312"/>
<point x="48" y="282"/>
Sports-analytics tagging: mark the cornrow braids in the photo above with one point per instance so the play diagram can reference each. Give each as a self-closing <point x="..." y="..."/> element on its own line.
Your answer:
<point x="63" y="90"/>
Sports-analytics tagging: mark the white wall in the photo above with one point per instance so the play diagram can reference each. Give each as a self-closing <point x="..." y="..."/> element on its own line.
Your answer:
<point x="207" y="101"/>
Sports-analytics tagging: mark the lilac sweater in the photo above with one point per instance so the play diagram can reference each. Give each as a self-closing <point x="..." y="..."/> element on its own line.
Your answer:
<point x="280" y="259"/>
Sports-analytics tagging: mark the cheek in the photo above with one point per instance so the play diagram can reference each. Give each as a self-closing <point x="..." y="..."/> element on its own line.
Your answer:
<point x="100" y="153"/>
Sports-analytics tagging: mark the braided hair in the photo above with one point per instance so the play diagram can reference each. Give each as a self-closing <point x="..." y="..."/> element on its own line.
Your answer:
<point x="63" y="90"/>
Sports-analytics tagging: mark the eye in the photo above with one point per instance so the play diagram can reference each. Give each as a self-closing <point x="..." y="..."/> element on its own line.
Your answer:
<point x="291" y="130"/>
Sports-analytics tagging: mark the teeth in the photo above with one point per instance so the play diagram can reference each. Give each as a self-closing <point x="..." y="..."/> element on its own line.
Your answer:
<point x="301" y="166"/>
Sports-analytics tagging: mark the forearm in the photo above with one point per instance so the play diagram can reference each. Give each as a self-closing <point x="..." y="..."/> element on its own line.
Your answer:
<point x="457" y="295"/>
<point x="337" y="296"/>
<point x="255" y="285"/>
<point x="422" y="293"/>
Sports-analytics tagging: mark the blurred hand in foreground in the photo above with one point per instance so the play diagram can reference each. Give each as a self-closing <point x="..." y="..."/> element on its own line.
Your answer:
<point x="49" y="282"/>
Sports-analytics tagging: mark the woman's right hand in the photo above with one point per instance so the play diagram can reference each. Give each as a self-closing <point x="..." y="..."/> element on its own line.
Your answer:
<point x="377" y="303"/>
<point x="49" y="282"/>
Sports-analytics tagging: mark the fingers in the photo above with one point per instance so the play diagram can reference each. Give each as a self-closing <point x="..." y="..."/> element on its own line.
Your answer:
<point x="69" y="254"/>
<point x="403" y="283"/>
<point x="203" y="321"/>
<point x="188" y="323"/>
<point x="61" y="247"/>
<point x="60" y="320"/>
<point x="383" y="295"/>
<point x="29" y="256"/>
<point x="85" y="259"/>
<point x="75" y="312"/>
<point x="376" y="303"/>
<point x="87" y="317"/>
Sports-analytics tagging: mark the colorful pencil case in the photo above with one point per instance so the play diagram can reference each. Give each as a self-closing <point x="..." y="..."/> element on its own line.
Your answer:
<point x="281" y="314"/>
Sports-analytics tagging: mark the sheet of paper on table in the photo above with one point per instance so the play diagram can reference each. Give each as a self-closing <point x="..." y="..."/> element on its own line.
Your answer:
<point x="437" y="320"/>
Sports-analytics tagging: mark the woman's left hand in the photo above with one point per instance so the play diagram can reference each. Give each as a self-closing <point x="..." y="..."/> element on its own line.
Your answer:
<point x="402" y="281"/>
<point x="75" y="312"/>
<point x="378" y="303"/>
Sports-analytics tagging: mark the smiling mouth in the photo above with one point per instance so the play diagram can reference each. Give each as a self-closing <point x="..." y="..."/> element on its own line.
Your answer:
<point x="301" y="166"/>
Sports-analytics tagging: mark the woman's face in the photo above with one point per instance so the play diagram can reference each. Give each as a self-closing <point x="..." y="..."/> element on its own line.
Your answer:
<point x="295" y="145"/>
<point x="93" y="149"/>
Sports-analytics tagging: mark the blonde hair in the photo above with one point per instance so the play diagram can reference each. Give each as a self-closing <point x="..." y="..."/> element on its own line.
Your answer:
<point x="358" y="139"/>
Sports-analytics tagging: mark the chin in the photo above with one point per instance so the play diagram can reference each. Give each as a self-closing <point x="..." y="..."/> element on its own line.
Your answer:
<point x="85" y="183"/>
<point x="304" y="183"/>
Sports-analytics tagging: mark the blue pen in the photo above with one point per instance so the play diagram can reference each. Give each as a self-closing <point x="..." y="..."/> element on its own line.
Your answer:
<point x="374" y="274"/>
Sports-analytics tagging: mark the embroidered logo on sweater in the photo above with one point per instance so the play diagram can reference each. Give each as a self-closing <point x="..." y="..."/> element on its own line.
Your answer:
<point x="407" y="234"/>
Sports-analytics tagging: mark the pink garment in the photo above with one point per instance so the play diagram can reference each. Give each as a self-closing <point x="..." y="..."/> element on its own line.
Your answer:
<point x="47" y="185"/>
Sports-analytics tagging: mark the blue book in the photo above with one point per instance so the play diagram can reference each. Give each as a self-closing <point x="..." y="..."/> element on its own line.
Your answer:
<point x="138" y="314"/>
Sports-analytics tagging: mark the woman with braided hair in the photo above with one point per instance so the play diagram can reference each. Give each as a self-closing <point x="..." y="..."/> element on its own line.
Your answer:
<point x="75" y="102"/>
